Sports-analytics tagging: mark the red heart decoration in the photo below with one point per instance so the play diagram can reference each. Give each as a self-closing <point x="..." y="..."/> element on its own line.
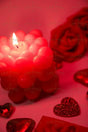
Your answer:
<point x="68" y="108"/>
<point x="6" y="110"/>
<point x="82" y="77"/>
<point x="20" y="125"/>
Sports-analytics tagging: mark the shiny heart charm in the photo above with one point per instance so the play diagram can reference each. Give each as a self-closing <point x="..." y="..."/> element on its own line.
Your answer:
<point x="82" y="77"/>
<point x="6" y="110"/>
<point x="20" y="125"/>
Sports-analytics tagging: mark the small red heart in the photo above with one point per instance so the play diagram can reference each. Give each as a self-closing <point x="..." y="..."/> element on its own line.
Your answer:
<point x="82" y="77"/>
<point x="20" y="125"/>
<point x="68" y="108"/>
<point x="6" y="110"/>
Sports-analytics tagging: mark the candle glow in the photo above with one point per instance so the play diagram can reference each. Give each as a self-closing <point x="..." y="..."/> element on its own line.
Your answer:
<point x="14" y="40"/>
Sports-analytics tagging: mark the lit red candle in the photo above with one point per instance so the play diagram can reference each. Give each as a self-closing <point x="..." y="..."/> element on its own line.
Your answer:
<point x="22" y="57"/>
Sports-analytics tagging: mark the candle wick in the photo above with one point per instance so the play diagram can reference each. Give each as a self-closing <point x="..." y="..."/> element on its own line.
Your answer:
<point x="17" y="46"/>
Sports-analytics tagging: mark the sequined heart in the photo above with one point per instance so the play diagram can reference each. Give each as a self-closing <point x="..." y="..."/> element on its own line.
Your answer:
<point x="20" y="125"/>
<point x="82" y="77"/>
<point x="68" y="108"/>
<point x="6" y="110"/>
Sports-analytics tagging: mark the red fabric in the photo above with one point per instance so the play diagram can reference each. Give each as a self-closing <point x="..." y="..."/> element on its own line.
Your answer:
<point x="81" y="19"/>
<point x="68" y="41"/>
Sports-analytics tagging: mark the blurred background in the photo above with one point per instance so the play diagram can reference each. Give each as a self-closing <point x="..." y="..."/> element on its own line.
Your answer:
<point x="40" y="14"/>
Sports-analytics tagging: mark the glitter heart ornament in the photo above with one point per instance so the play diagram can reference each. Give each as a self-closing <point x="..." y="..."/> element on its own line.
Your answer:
<point x="68" y="108"/>
<point x="6" y="110"/>
<point x="82" y="77"/>
<point x="20" y="125"/>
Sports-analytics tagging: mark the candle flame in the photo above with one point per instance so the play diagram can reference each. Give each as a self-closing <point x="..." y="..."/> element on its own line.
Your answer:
<point x="14" y="40"/>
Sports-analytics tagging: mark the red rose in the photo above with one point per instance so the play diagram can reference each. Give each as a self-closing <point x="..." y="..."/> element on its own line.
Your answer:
<point x="68" y="42"/>
<point x="81" y="19"/>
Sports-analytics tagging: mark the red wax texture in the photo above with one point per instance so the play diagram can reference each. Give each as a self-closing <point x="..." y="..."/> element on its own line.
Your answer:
<point x="24" y="62"/>
<point x="25" y="81"/>
<point x="17" y="95"/>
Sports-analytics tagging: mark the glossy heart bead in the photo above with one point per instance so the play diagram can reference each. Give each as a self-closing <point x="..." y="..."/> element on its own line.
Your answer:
<point x="82" y="77"/>
<point x="20" y="125"/>
<point x="6" y="110"/>
<point x="68" y="108"/>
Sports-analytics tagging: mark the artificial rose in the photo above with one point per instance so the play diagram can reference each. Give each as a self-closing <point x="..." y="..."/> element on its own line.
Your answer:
<point x="68" y="43"/>
<point x="81" y="19"/>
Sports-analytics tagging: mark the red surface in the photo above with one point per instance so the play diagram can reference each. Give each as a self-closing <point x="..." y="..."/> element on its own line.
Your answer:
<point x="44" y="15"/>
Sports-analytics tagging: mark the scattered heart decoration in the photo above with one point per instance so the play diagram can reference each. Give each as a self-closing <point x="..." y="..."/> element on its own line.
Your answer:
<point x="68" y="108"/>
<point x="6" y="110"/>
<point x="20" y="125"/>
<point x="82" y="77"/>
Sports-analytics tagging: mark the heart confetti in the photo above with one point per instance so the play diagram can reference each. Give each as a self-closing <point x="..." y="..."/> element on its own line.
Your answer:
<point x="82" y="77"/>
<point x="6" y="110"/>
<point x="20" y="125"/>
<point x="68" y="108"/>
